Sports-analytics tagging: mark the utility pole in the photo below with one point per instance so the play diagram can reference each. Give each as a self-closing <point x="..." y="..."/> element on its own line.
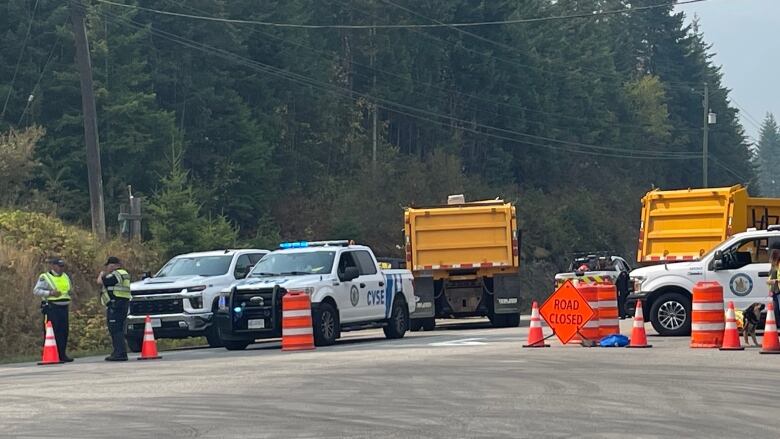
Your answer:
<point x="705" y="146"/>
<point x="373" y="90"/>
<point x="94" y="173"/>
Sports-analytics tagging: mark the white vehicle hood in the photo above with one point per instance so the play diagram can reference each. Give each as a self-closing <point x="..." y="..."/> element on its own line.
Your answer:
<point x="286" y="282"/>
<point x="165" y="283"/>
<point x="673" y="268"/>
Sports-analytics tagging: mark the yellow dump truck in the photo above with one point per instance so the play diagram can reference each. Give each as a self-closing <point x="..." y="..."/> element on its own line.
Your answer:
<point x="682" y="225"/>
<point x="465" y="261"/>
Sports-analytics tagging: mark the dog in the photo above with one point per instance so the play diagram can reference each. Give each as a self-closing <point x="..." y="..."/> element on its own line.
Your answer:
<point x="751" y="318"/>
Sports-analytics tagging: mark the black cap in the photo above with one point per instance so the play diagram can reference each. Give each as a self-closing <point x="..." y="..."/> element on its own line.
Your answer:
<point x="57" y="261"/>
<point x="112" y="260"/>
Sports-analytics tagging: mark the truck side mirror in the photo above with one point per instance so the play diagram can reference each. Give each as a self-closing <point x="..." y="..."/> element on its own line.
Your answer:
<point x="717" y="264"/>
<point x="146" y="275"/>
<point x="350" y="273"/>
<point x="719" y="255"/>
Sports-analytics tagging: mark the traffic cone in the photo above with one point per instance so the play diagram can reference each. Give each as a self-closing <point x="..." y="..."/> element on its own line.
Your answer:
<point x="535" y="336"/>
<point x="770" y="343"/>
<point x="50" y="353"/>
<point x="149" y="347"/>
<point x="731" y="334"/>
<point x="638" y="335"/>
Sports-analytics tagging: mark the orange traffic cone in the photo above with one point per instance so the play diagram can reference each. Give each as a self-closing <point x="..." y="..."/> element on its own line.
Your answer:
<point x="770" y="343"/>
<point x="50" y="353"/>
<point x="638" y="335"/>
<point x="149" y="347"/>
<point x="535" y="336"/>
<point x="731" y="335"/>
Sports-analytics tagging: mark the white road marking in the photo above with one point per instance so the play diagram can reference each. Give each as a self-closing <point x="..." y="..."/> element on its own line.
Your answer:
<point x="462" y="342"/>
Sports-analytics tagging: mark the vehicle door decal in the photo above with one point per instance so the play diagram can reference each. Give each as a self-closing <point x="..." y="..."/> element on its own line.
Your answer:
<point x="389" y="289"/>
<point x="741" y="284"/>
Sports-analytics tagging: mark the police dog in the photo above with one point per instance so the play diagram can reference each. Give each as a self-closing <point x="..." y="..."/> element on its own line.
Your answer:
<point x="751" y="316"/>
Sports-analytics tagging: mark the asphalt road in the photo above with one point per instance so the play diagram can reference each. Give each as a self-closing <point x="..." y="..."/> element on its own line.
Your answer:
<point x="462" y="381"/>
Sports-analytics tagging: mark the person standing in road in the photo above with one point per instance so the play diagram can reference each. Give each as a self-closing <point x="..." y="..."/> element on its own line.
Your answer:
<point x="774" y="281"/>
<point x="116" y="297"/>
<point x="53" y="287"/>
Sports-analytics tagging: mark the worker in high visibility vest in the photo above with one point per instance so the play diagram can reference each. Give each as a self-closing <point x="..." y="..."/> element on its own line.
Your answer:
<point x="115" y="281"/>
<point x="54" y="287"/>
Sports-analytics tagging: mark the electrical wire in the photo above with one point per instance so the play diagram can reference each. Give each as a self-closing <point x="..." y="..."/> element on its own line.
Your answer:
<point x="728" y="169"/>
<point x="40" y="78"/>
<point x="592" y="14"/>
<point x="574" y="147"/>
<point x="19" y="59"/>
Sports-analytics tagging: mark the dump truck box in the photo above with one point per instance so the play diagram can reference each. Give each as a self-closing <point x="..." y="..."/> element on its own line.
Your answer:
<point x="479" y="236"/>
<point x="682" y="225"/>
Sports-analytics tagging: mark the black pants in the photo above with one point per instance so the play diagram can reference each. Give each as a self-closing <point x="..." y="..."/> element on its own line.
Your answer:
<point x="776" y="303"/>
<point x="116" y="316"/>
<point x="58" y="316"/>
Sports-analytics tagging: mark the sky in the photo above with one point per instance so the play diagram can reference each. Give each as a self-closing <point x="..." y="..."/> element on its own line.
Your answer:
<point x="745" y="35"/>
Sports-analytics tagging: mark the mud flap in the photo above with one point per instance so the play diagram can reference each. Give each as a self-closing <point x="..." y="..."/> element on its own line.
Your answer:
<point x="506" y="293"/>
<point x="423" y="298"/>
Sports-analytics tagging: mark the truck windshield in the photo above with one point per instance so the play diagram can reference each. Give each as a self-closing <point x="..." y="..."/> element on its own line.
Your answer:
<point x="196" y="266"/>
<point x="275" y="264"/>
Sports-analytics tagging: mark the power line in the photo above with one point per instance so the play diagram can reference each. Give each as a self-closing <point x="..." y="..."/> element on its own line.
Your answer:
<point x="574" y="147"/>
<point x="40" y="78"/>
<point x="592" y="14"/>
<point x="19" y="59"/>
<point x="728" y="169"/>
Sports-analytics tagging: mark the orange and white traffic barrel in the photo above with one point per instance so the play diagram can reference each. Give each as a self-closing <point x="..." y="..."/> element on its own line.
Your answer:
<point x="609" y="321"/>
<point x="297" y="332"/>
<point x="590" y="331"/>
<point x="707" y="317"/>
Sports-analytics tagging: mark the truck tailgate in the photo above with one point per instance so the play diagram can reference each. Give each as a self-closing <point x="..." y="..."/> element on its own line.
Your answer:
<point x="463" y="236"/>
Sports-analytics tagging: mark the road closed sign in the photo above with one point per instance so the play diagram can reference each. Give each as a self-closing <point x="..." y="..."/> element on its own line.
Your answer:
<point x="566" y="311"/>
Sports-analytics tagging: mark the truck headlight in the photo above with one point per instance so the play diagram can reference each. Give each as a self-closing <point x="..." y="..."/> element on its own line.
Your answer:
<point x="196" y="302"/>
<point x="637" y="283"/>
<point x="308" y="290"/>
<point x="196" y="288"/>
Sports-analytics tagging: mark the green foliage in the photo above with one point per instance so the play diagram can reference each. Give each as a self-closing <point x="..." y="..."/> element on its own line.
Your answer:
<point x="768" y="158"/>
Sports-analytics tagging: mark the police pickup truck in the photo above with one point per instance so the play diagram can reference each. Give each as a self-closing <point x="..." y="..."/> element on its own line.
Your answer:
<point x="182" y="297"/>
<point x="740" y="265"/>
<point x="347" y="287"/>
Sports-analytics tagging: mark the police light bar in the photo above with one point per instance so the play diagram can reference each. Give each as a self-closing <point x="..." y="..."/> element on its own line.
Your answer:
<point x="305" y="244"/>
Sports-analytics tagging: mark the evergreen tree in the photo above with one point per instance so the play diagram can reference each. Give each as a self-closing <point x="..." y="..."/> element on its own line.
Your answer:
<point x="768" y="158"/>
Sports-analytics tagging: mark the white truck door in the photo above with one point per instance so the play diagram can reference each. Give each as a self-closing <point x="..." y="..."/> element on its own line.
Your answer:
<point x="745" y="273"/>
<point x="350" y="297"/>
<point x="372" y="286"/>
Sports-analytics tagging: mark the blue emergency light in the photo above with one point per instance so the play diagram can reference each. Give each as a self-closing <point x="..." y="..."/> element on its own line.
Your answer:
<point x="298" y="244"/>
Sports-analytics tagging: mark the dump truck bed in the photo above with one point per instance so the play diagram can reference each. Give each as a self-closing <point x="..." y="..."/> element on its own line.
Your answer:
<point x="682" y="225"/>
<point x="479" y="236"/>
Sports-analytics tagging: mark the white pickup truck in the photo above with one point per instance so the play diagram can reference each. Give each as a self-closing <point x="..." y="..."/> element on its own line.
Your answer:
<point x="182" y="296"/>
<point x="740" y="264"/>
<point x="348" y="291"/>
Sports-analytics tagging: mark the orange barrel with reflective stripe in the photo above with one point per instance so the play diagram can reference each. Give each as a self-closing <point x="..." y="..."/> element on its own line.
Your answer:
<point x="297" y="332"/>
<point x="609" y="322"/>
<point x="707" y="319"/>
<point x="590" y="330"/>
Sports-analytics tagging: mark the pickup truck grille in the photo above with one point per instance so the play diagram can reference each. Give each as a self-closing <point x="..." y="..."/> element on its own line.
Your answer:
<point x="153" y="307"/>
<point x="256" y="304"/>
<point x="160" y="291"/>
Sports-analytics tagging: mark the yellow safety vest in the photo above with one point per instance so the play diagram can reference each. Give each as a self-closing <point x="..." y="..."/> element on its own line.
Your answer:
<point x="120" y="290"/>
<point x="60" y="283"/>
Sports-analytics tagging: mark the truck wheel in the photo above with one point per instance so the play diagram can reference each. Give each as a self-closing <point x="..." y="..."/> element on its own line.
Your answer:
<point x="326" y="325"/>
<point x="235" y="345"/>
<point x="212" y="337"/>
<point x="429" y="324"/>
<point x="398" y="322"/>
<point x="671" y="314"/>
<point x="134" y="343"/>
<point x="510" y="320"/>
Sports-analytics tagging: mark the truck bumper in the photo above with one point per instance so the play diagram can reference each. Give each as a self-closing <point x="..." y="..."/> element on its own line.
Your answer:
<point x="224" y="323"/>
<point x="172" y="325"/>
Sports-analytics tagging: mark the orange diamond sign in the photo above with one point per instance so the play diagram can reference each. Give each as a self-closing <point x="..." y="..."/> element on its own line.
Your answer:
<point x="566" y="311"/>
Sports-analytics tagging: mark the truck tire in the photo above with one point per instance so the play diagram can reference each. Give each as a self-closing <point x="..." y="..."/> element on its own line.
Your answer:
<point x="671" y="314"/>
<point x="134" y="343"/>
<point x="429" y="324"/>
<point x="212" y="337"/>
<point x="505" y="320"/>
<point x="398" y="322"/>
<point x="326" y="325"/>
<point x="236" y="345"/>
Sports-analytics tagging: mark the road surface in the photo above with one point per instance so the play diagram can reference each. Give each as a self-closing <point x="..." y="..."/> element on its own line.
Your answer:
<point x="462" y="381"/>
